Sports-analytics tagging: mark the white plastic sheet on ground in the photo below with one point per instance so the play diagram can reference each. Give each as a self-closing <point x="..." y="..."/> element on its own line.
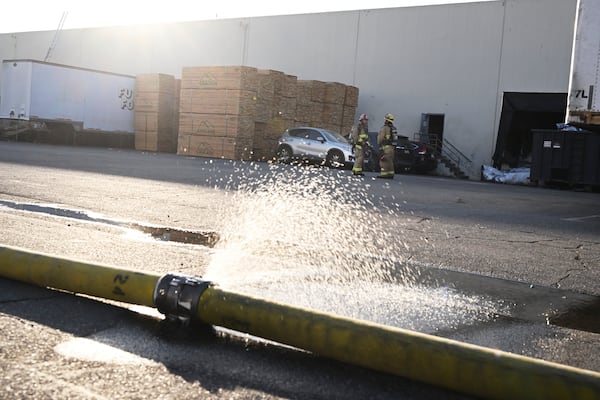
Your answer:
<point x="515" y="175"/>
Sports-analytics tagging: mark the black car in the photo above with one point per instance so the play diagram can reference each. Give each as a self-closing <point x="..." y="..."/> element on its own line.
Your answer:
<point x="410" y="156"/>
<point x="423" y="156"/>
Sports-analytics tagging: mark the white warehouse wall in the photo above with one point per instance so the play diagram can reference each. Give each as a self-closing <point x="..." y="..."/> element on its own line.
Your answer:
<point x="436" y="60"/>
<point x="455" y="59"/>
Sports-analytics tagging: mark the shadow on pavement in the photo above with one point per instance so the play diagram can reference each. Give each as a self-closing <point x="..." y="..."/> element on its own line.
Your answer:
<point x="215" y="359"/>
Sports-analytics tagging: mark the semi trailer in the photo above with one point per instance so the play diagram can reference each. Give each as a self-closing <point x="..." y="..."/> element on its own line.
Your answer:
<point x="69" y="103"/>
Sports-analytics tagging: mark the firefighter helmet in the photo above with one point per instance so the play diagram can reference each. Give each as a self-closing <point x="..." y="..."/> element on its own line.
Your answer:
<point x="363" y="117"/>
<point x="389" y="118"/>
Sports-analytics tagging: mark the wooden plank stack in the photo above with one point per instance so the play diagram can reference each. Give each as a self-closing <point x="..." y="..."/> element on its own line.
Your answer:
<point x="276" y="108"/>
<point x="350" y="105"/>
<point x="235" y="112"/>
<point x="329" y="105"/>
<point x="156" y="112"/>
<point x="217" y="111"/>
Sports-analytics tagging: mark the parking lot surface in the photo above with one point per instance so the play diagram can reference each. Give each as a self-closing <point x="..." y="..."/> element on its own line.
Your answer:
<point x="482" y="263"/>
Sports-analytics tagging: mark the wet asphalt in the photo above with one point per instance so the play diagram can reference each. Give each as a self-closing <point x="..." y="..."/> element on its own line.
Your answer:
<point x="532" y="252"/>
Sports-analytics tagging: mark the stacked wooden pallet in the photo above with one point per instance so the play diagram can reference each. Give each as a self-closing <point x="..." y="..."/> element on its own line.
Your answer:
<point x="156" y="112"/>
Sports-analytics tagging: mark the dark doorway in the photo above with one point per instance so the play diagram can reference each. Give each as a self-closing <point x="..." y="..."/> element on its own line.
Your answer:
<point x="432" y="129"/>
<point x="522" y="112"/>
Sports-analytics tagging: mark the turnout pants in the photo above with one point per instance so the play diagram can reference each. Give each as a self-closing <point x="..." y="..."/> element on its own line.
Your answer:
<point x="386" y="162"/>
<point x="359" y="159"/>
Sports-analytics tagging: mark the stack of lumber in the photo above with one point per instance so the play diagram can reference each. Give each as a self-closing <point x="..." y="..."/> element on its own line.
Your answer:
<point x="217" y="111"/>
<point x="349" y="112"/>
<point x="275" y="112"/>
<point x="156" y="112"/>
<point x="284" y="101"/>
<point x="235" y="112"/>
<point x="329" y="105"/>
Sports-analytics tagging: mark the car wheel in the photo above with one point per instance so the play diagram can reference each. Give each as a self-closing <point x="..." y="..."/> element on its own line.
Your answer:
<point x="335" y="158"/>
<point x="284" y="154"/>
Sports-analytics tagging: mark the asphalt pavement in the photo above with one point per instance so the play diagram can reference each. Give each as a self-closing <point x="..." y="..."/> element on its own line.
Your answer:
<point x="504" y="266"/>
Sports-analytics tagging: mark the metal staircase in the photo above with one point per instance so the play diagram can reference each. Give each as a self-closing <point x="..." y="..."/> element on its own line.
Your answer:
<point x="451" y="157"/>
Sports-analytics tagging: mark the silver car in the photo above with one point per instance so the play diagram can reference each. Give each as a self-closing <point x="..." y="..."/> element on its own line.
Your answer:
<point x="314" y="144"/>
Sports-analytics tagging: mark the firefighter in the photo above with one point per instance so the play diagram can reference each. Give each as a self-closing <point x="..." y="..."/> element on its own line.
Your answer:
<point x="360" y="143"/>
<point x="385" y="140"/>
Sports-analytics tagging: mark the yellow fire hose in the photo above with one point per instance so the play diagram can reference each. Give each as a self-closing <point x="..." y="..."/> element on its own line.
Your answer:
<point x="458" y="366"/>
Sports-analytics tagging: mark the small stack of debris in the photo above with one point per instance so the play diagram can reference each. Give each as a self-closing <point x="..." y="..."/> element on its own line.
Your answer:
<point x="156" y="112"/>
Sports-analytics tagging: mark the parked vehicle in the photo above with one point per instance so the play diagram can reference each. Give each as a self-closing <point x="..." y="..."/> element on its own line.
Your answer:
<point x="318" y="145"/>
<point x="410" y="156"/>
<point x="424" y="158"/>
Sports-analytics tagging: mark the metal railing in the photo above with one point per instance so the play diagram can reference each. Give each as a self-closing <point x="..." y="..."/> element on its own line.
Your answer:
<point x="445" y="149"/>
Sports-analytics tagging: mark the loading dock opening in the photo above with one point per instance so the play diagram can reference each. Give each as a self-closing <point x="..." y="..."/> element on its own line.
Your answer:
<point x="522" y="112"/>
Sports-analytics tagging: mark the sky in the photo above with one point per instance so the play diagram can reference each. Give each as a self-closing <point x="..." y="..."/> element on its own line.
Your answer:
<point x="47" y="15"/>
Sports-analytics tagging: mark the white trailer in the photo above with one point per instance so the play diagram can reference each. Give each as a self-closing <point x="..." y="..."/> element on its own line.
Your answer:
<point x="584" y="84"/>
<point x="88" y="99"/>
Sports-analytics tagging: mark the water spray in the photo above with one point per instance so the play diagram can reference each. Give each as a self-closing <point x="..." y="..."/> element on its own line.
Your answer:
<point x="446" y="363"/>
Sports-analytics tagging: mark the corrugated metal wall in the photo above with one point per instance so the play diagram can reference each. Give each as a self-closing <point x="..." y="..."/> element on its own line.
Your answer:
<point x="455" y="60"/>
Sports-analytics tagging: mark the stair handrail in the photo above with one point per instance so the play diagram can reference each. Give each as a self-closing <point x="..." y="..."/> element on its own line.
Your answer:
<point x="444" y="148"/>
<point x="455" y="155"/>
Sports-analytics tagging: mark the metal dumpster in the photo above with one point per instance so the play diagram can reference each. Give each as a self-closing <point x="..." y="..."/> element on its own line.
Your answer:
<point x="571" y="157"/>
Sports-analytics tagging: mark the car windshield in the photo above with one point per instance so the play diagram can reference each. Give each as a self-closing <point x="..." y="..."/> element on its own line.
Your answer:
<point x="334" y="136"/>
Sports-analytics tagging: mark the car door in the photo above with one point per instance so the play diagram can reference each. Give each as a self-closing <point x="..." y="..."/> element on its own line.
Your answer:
<point x="404" y="155"/>
<point x="316" y="145"/>
<point x="306" y="142"/>
<point x="298" y="140"/>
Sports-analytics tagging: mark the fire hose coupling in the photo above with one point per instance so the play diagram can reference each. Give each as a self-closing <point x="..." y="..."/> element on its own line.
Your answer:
<point x="177" y="296"/>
